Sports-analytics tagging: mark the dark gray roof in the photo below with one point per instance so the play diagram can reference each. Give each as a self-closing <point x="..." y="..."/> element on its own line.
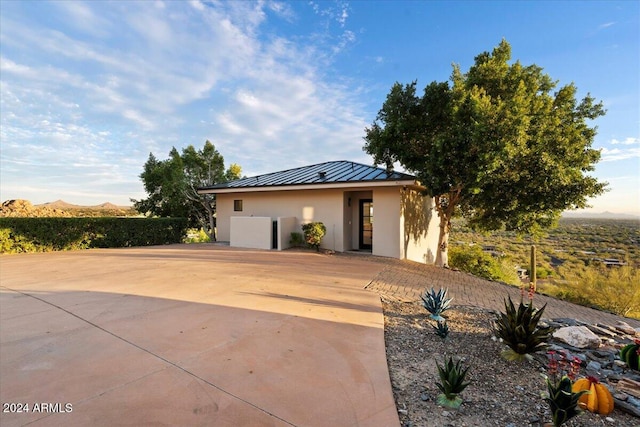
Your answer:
<point x="322" y="173"/>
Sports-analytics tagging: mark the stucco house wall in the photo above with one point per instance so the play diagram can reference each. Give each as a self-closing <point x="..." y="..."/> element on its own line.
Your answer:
<point x="306" y="206"/>
<point x="404" y="223"/>
<point x="420" y="225"/>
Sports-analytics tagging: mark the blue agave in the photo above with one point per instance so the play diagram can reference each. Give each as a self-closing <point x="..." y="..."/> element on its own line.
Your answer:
<point x="436" y="303"/>
<point x="442" y="329"/>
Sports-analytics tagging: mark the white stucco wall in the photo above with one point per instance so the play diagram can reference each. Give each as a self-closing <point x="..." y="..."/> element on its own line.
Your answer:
<point x="286" y="226"/>
<point x="386" y="222"/>
<point x="419" y="222"/>
<point x="324" y="205"/>
<point x="405" y="226"/>
<point x="251" y="232"/>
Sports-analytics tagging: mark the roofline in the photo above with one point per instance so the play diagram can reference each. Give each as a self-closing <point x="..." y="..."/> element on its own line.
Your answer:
<point x="335" y="185"/>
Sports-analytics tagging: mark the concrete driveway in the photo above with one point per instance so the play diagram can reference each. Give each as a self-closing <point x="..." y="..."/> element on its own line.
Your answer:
<point x="191" y="335"/>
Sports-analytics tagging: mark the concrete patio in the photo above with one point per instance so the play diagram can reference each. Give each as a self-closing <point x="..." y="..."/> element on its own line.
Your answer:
<point x="192" y="335"/>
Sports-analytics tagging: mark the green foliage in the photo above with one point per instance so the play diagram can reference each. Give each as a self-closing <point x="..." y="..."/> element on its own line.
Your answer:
<point x="297" y="239"/>
<point x="442" y="329"/>
<point x="18" y="235"/>
<point x="562" y="400"/>
<point x="501" y="144"/>
<point x="313" y="234"/>
<point x="519" y="330"/>
<point x="196" y="236"/>
<point x="172" y="185"/>
<point x="436" y="303"/>
<point x="614" y="289"/>
<point x="473" y="260"/>
<point x="452" y="383"/>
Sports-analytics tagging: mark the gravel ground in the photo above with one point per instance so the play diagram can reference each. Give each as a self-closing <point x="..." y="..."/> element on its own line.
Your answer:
<point x="501" y="393"/>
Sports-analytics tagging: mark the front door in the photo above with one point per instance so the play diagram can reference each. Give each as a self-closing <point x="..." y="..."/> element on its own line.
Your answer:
<point x="366" y="223"/>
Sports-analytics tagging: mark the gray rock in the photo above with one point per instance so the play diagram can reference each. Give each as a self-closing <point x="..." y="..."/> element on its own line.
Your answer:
<point x="625" y="327"/>
<point x="566" y="321"/>
<point x="577" y="336"/>
<point x="594" y="366"/>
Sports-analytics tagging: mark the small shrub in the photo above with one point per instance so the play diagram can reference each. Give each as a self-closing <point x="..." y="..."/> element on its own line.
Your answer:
<point x="519" y="330"/>
<point x="442" y="329"/>
<point x="562" y="400"/>
<point x="610" y="289"/>
<point x="197" y="236"/>
<point x="296" y="240"/>
<point x="436" y="303"/>
<point x="473" y="260"/>
<point x="313" y="234"/>
<point x="452" y="383"/>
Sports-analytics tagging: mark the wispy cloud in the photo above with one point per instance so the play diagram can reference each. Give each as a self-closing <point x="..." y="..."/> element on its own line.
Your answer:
<point x="134" y="77"/>
<point x="605" y="25"/>
<point x="626" y="141"/>
<point x="616" y="154"/>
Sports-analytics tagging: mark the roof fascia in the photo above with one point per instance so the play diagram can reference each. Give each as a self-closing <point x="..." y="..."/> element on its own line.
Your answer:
<point x="339" y="185"/>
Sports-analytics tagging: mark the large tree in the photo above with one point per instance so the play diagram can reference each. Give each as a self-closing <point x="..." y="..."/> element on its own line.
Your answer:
<point x="499" y="144"/>
<point x="172" y="183"/>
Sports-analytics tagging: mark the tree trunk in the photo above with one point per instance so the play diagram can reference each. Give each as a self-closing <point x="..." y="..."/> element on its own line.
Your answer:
<point x="442" y="256"/>
<point x="211" y="222"/>
<point x="445" y="205"/>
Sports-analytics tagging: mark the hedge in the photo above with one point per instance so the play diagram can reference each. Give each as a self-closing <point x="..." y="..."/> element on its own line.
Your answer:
<point x="19" y="235"/>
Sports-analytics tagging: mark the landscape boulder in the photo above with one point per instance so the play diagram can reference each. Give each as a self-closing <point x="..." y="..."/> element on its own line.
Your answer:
<point x="577" y="336"/>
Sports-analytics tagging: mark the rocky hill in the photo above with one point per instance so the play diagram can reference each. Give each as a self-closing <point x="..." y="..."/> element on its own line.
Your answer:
<point x="60" y="208"/>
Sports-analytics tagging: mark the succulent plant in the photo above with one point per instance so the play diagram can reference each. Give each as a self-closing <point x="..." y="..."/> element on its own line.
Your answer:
<point x="452" y="377"/>
<point x="442" y="329"/>
<point x="436" y="303"/>
<point x="562" y="400"/>
<point x="519" y="329"/>
<point x="630" y="354"/>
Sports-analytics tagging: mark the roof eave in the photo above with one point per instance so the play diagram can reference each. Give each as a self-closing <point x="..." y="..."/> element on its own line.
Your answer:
<point x="316" y="186"/>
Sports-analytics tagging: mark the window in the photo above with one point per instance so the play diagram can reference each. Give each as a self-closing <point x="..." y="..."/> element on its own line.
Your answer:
<point x="237" y="205"/>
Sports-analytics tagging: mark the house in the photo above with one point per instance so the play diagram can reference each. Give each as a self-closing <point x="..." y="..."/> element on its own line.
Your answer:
<point x="364" y="208"/>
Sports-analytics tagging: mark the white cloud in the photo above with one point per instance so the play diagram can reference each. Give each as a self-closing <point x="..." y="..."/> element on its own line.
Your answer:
<point x="615" y="154"/>
<point x="626" y="141"/>
<point x="169" y="74"/>
<point x="605" y="25"/>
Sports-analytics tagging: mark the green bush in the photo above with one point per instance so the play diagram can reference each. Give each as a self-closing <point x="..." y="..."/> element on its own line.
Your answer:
<point x="313" y="233"/>
<point x="18" y="235"/>
<point x="296" y="240"/>
<point x="612" y="289"/>
<point x="473" y="260"/>
<point x="195" y="235"/>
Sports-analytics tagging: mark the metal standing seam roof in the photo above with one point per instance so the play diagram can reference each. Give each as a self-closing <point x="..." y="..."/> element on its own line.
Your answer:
<point x="322" y="173"/>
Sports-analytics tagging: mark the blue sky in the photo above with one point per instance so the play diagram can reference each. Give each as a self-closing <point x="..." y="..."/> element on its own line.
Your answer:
<point x="88" y="89"/>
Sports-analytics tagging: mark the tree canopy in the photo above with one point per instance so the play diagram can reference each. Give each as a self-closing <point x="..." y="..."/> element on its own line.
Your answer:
<point x="498" y="144"/>
<point x="171" y="185"/>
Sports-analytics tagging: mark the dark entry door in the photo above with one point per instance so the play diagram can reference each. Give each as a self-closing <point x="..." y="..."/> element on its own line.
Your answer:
<point x="366" y="223"/>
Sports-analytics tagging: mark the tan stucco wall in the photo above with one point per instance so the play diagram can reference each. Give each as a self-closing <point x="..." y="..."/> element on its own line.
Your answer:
<point x="419" y="222"/>
<point x="306" y="206"/>
<point x="386" y="222"/>
<point x="251" y="232"/>
<point x="400" y="217"/>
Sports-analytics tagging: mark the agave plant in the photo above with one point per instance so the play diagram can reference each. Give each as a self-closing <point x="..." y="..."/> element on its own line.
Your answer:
<point x="436" y="303"/>
<point x="519" y="329"/>
<point x="442" y="329"/>
<point x="562" y="400"/>
<point x="452" y="377"/>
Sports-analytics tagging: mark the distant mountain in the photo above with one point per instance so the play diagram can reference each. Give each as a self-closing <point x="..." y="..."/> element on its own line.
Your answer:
<point x="60" y="208"/>
<point x="601" y="215"/>
<point x="61" y="204"/>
